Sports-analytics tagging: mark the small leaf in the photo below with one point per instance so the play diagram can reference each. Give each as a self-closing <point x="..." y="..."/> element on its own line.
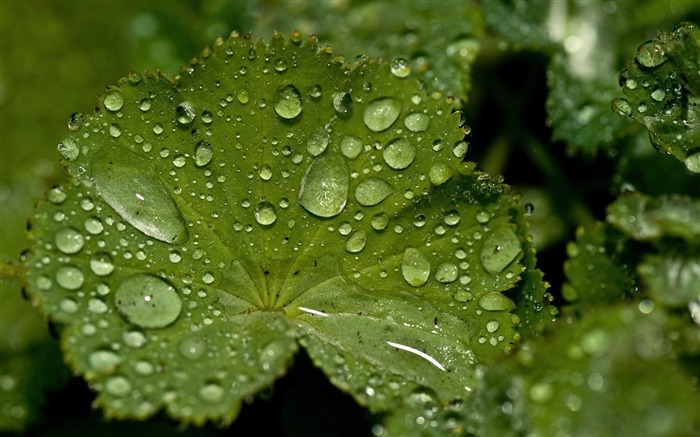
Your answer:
<point x="217" y="218"/>
<point x="673" y="279"/>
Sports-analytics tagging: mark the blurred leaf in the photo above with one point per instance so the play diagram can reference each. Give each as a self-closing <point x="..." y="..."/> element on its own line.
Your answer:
<point x="519" y="23"/>
<point x="270" y="194"/>
<point x="672" y="279"/>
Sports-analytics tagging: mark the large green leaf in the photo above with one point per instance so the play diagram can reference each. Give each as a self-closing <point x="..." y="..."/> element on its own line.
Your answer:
<point x="267" y="195"/>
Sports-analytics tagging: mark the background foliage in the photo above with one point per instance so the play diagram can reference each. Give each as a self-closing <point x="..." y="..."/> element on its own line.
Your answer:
<point x="535" y="83"/>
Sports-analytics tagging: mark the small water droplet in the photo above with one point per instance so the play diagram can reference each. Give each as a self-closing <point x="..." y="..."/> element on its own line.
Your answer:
<point x="417" y="122"/>
<point x="380" y="221"/>
<point x="288" y="104"/>
<point x="317" y="141"/>
<point x="482" y="216"/>
<point x="212" y="393"/>
<point x="69" y="240"/>
<point x="192" y="348"/>
<point x="622" y="107"/>
<point x="451" y="218"/>
<point x="439" y="174"/>
<point x="265" y="213"/>
<point x="324" y="186"/>
<point x="134" y="339"/>
<point x="381" y="113"/>
<point x="70" y="277"/>
<point x="495" y="301"/>
<point x="399" y="153"/>
<point x="93" y="225"/>
<point x="460" y="149"/>
<point x="101" y="264"/>
<point x="446" y="273"/>
<point x="242" y="97"/>
<point x="69" y="149"/>
<point x="342" y="103"/>
<point x="138" y="195"/>
<point x="316" y="91"/>
<point x="492" y="325"/>
<point x="500" y="249"/>
<point x="185" y="113"/>
<point x="658" y="95"/>
<point x="650" y="54"/>
<point x="104" y="361"/>
<point x="356" y="242"/>
<point x="372" y="191"/>
<point x="76" y="120"/>
<point x="203" y="153"/>
<point x="415" y="267"/>
<point x="400" y="68"/>
<point x="692" y="162"/>
<point x="115" y="130"/>
<point x="281" y="65"/>
<point x="114" y="100"/>
<point x="147" y="301"/>
<point x="351" y="146"/>
<point x="118" y="386"/>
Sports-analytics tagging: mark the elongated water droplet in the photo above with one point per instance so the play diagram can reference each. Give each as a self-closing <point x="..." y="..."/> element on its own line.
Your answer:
<point x="417" y="122"/>
<point x="356" y="242"/>
<point x="69" y="240"/>
<point x="203" y="153"/>
<point x="114" y="100"/>
<point x="381" y="113"/>
<point x="265" y="213"/>
<point x="650" y="54"/>
<point x="495" y="301"/>
<point x="399" y="154"/>
<point x="372" y="191"/>
<point x="137" y="194"/>
<point x="288" y="104"/>
<point x="499" y="250"/>
<point x="317" y="141"/>
<point x="351" y="146"/>
<point x="415" y="267"/>
<point x="147" y="301"/>
<point x="185" y="113"/>
<point x="324" y="186"/>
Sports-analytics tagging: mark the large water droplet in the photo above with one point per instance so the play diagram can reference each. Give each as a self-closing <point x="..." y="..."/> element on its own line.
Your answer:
<point x="265" y="213"/>
<point x="70" y="277"/>
<point x="203" y="153"/>
<point x="69" y="240"/>
<point x="500" y="249"/>
<point x="317" y="141"/>
<point x="650" y="54"/>
<point x="147" y="301"/>
<point x="381" y="113"/>
<point x="288" y="104"/>
<point x="324" y="186"/>
<point x="372" y="191"/>
<point x="415" y="267"/>
<point x="185" y="113"/>
<point x="495" y="301"/>
<point x="356" y="242"/>
<point x="114" y="100"/>
<point x="351" y="146"/>
<point x="130" y="186"/>
<point x="417" y="122"/>
<point x="399" y="154"/>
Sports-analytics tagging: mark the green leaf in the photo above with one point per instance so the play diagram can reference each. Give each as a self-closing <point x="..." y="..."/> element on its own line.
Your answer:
<point x="672" y="279"/>
<point x="266" y="196"/>
<point x="662" y="91"/>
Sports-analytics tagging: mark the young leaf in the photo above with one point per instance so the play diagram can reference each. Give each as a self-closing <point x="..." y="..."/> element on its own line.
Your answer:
<point x="267" y="195"/>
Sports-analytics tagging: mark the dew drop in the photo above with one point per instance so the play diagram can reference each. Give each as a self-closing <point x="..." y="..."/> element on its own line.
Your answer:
<point x="622" y="107"/>
<point x="265" y="213"/>
<point x="114" y="100"/>
<point x="104" y="361"/>
<point x="446" y="273"/>
<point x="399" y="153"/>
<point x="93" y="225"/>
<point x="451" y="218"/>
<point x="439" y="174"/>
<point x="288" y="104"/>
<point x="76" y="120"/>
<point x="372" y="191"/>
<point x="460" y="149"/>
<point x="203" y="153"/>
<point x="185" y="113"/>
<point x="342" y="103"/>
<point x="211" y="393"/>
<point x="692" y="162"/>
<point x="324" y="186"/>
<point x="417" y="122"/>
<point x="356" y="242"/>
<point x="147" y="301"/>
<point x="495" y="301"/>
<point x="130" y="186"/>
<point x="482" y="216"/>
<point x="265" y="172"/>
<point x="658" y="95"/>
<point x="69" y="240"/>
<point x="317" y="141"/>
<point x="192" y="348"/>
<point x="134" y="339"/>
<point x="499" y="250"/>
<point x="101" y="264"/>
<point x="70" y="277"/>
<point x="400" y="68"/>
<point x="69" y="149"/>
<point x="351" y="146"/>
<point x="650" y="54"/>
<point x="492" y="325"/>
<point x="381" y="113"/>
<point x="118" y="386"/>
<point x="380" y="221"/>
<point x="56" y="195"/>
<point x="415" y="267"/>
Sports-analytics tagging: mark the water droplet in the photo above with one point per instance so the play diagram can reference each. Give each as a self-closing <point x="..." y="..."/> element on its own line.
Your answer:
<point x="101" y="264"/>
<point x="265" y="172"/>
<point x="56" y="195"/>
<point x="692" y="162"/>
<point x="185" y="113"/>
<point x="316" y="91"/>
<point x="145" y="105"/>
<point x="356" y="242"/>
<point x="495" y="301"/>
<point x="203" y="153"/>
<point x="351" y="146"/>
<point x="207" y="117"/>
<point x="144" y="368"/>
<point x="622" y="107"/>
<point x="70" y="277"/>
<point x="417" y="122"/>
<point x="658" y="95"/>
<point x="642" y="108"/>
<point x="317" y="141"/>
<point x="342" y="103"/>
<point x="399" y="153"/>
<point x="114" y="100"/>
<point x="137" y="194"/>
<point x="482" y="216"/>
<point x="281" y="65"/>
<point x="650" y="54"/>
<point x="192" y="348"/>
<point x="211" y="393"/>
<point x="288" y="103"/>
<point x="460" y="149"/>
<point x="446" y="272"/>
<point x="439" y="174"/>
<point x="381" y="113"/>
<point x="104" y="361"/>
<point x="415" y="267"/>
<point x="208" y="278"/>
<point x="492" y="325"/>
<point x="118" y="386"/>
<point x="400" y="68"/>
<point x="76" y="120"/>
<point x="451" y="218"/>
<point x="243" y="97"/>
<point x="500" y="249"/>
<point x="69" y="149"/>
<point x="69" y="240"/>
<point x="265" y="213"/>
<point x="541" y="392"/>
<point x="134" y="339"/>
<point x="324" y="186"/>
<point x="147" y="301"/>
<point x="93" y="225"/>
<point x="380" y="221"/>
<point x="372" y="191"/>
